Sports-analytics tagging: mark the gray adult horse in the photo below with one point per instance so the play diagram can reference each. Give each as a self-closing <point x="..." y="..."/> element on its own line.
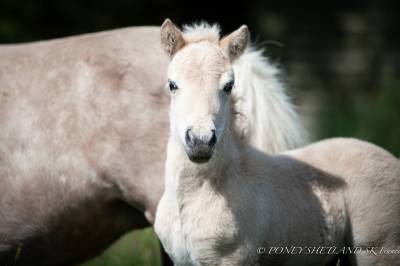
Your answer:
<point x="83" y="129"/>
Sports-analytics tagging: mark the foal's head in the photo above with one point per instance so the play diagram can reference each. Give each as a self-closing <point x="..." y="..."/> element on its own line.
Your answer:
<point x="200" y="78"/>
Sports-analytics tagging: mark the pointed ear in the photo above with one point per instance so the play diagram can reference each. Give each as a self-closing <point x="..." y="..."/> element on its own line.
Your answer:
<point x="171" y="37"/>
<point x="235" y="43"/>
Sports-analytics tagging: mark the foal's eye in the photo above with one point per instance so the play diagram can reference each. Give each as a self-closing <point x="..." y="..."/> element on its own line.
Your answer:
<point x="172" y="85"/>
<point x="228" y="86"/>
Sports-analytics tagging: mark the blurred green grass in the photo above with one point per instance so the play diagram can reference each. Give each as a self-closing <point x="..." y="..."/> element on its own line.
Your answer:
<point x="374" y="117"/>
<point x="138" y="248"/>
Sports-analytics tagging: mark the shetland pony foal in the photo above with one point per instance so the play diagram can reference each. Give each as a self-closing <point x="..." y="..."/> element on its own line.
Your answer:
<point x="223" y="199"/>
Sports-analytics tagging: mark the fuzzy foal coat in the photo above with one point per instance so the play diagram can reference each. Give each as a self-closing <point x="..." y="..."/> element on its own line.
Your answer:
<point x="334" y="193"/>
<point x="338" y="192"/>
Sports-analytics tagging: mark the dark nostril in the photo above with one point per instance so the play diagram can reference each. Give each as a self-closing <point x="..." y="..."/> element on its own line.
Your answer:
<point x="188" y="137"/>
<point x="213" y="139"/>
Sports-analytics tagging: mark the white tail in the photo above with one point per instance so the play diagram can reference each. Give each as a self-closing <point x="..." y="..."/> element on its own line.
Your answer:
<point x="269" y="121"/>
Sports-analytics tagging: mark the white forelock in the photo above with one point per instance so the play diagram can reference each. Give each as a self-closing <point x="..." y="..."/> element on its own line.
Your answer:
<point x="201" y="31"/>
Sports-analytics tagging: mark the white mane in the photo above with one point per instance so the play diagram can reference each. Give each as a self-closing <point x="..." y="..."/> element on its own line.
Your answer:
<point x="267" y="119"/>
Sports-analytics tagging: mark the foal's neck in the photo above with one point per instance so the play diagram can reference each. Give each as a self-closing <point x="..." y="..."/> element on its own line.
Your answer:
<point x="182" y="172"/>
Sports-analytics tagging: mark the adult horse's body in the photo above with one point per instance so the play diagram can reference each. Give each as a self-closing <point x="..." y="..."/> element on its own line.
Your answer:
<point x="83" y="128"/>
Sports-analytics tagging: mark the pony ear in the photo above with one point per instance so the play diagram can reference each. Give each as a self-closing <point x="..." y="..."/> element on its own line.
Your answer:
<point x="171" y="37"/>
<point x="235" y="43"/>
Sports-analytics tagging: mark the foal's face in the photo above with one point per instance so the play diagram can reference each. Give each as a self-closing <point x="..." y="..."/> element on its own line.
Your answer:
<point x="200" y="79"/>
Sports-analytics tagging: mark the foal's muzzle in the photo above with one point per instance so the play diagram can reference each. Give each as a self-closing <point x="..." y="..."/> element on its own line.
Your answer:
<point x="200" y="148"/>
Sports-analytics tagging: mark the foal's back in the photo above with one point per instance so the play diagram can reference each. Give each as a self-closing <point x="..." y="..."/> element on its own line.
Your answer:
<point x="367" y="178"/>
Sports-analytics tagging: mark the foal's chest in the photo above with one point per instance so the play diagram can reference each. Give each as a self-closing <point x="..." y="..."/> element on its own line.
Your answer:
<point x="193" y="228"/>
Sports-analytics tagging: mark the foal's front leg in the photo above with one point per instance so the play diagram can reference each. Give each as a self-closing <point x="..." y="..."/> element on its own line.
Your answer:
<point x="240" y="262"/>
<point x="234" y="259"/>
<point x="225" y="262"/>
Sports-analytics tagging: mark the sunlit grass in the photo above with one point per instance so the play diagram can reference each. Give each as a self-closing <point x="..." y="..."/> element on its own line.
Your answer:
<point x="139" y="248"/>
